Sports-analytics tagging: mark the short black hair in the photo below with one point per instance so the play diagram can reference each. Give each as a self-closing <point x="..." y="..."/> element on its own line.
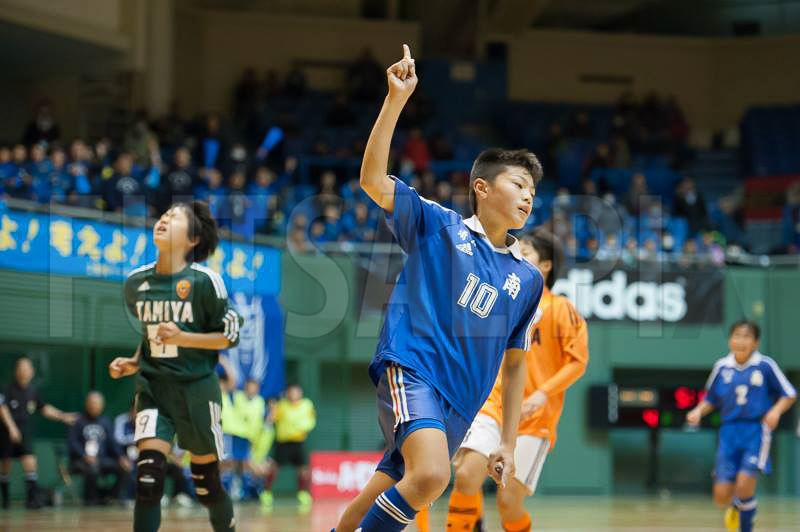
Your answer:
<point x="493" y="161"/>
<point x="203" y="227"/>
<point x="549" y="248"/>
<point x="753" y="326"/>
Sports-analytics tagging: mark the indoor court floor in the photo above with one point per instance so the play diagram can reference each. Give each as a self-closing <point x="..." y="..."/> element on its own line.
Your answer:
<point x="553" y="514"/>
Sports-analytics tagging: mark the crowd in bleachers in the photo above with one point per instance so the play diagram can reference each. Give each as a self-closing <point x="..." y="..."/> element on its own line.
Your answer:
<point x="286" y="163"/>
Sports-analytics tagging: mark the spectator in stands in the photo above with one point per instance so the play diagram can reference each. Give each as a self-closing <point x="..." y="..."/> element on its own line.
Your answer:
<point x="444" y="194"/>
<point x="639" y="199"/>
<point x="676" y="121"/>
<point x="327" y="192"/>
<point x="180" y="181"/>
<point x="124" y="190"/>
<point x="59" y="179"/>
<point x="94" y="452"/>
<point x="296" y="84"/>
<point x="40" y="169"/>
<point x="417" y="151"/>
<point x="690" y="204"/>
<point x="601" y="158"/>
<point x="297" y="240"/>
<point x="630" y="253"/>
<point x="711" y="249"/>
<point x="236" y="211"/>
<point x="620" y="151"/>
<point x="140" y="139"/>
<point x="791" y="219"/>
<point x="86" y="176"/>
<point x="580" y="126"/>
<point x="213" y="145"/>
<point x="341" y="114"/>
<point x="358" y="225"/>
<point x="6" y="166"/>
<point x="18" y="402"/>
<point x="20" y="183"/>
<point x="688" y="256"/>
<point x="332" y="220"/>
<point x="43" y="127"/>
<point x="365" y="77"/>
<point x="265" y="194"/>
<point x="270" y="86"/>
<point x="294" y="418"/>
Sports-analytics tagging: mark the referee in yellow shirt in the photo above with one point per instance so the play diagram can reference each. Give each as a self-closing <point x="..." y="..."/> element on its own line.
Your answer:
<point x="294" y="418"/>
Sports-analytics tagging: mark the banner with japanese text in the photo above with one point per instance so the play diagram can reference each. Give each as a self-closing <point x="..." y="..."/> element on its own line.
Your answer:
<point x="61" y="245"/>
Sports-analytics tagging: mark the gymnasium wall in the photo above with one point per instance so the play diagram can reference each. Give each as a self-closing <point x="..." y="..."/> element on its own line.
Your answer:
<point x="74" y="327"/>
<point x="94" y="21"/>
<point x="715" y="80"/>
<point x="213" y="48"/>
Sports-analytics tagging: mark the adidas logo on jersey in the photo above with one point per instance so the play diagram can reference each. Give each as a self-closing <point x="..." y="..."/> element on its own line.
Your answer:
<point x="465" y="248"/>
<point x="144" y="286"/>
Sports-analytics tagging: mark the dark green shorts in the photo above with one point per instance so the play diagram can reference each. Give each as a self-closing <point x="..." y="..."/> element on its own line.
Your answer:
<point x="190" y="410"/>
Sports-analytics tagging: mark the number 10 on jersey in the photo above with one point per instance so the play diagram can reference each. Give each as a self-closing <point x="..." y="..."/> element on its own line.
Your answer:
<point x="480" y="301"/>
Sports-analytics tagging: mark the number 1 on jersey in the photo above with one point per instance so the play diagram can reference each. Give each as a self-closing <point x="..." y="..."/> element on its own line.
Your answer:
<point x="158" y="350"/>
<point x="484" y="299"/>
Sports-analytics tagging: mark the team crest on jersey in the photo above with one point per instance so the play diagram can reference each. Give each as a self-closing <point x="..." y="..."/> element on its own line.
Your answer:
<point x="756" y="378"/>
<point x="465" y="248"/>
<point x="463" y="234"/>
<point x="31" y="407"/>
<point x="183" y="288"/>
<point x="727" y="375"/>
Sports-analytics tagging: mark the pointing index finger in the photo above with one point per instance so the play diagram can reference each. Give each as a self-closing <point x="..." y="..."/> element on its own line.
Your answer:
<point x="406" y="52"/>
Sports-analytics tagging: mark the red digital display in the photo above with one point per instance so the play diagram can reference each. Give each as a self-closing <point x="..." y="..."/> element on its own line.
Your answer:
<point x="685" y="398"/>
<point x="651" y="416"/>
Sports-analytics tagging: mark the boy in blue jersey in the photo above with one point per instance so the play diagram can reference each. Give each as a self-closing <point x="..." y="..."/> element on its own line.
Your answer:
<point x="751" y="393"/>
<point x="464" y="303"/>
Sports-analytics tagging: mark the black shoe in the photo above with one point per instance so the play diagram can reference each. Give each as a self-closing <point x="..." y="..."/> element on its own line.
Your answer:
<point x="479" y="525"/>
<point x="33" y="504"/>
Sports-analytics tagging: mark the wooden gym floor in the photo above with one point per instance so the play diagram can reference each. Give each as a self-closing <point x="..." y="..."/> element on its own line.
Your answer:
<point x="553" y="514"/>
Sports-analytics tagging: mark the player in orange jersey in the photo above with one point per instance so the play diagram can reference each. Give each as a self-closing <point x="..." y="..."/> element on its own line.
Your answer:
<point x="556" y="359"/>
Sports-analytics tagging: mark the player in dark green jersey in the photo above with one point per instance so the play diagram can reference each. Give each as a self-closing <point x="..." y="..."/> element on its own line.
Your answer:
<point x="185" y="320"/>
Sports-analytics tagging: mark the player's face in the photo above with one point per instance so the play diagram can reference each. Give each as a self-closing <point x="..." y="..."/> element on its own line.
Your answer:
<point x="24" y="372"/>
<point x="171" y="232"/>
<point x="742" y="342"/>
<point x="511" y="195"/>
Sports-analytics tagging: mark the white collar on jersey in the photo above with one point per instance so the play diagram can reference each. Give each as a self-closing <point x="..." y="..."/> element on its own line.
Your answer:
<point x="512" y="244"/>
<point x="754" y="360"/>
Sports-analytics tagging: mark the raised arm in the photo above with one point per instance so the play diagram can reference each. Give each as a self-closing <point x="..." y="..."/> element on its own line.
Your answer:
<point x="376" y="183"/>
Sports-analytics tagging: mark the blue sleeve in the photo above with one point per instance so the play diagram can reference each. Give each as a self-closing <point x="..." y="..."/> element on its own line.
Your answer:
<point x="520" y="336"/>
<point x="415" y="218"/>
<point x="779" y="385"/>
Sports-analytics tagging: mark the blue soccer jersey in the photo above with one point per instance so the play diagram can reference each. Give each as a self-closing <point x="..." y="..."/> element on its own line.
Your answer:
<point x="458" y="304"/>
<point x="746" y="392"/>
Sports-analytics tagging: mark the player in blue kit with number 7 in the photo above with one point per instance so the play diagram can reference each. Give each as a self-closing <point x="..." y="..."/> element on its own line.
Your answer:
<point x="464" y="303"/>
<point x="751" y="393"/>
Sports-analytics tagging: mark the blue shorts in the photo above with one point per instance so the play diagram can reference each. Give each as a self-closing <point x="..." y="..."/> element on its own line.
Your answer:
<point x="236" y="448"/>
<point x="743" y="446"/>
<point x="407" y="403"/>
